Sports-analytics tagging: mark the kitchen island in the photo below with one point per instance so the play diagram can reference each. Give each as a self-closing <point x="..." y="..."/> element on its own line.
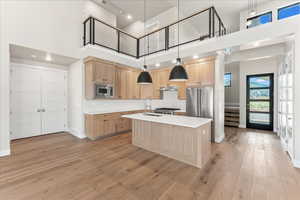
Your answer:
<point x="186" y="139"/>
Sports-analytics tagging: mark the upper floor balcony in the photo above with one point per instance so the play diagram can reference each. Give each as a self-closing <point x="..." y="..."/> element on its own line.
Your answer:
<point x="202" y="25"/>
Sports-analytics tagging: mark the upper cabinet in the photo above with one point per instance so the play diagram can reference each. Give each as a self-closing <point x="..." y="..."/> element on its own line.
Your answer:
<point x="201" y="72"/>
<point x="100" y="71"/>
<point x="126" y="83"/>
<point x="124" y="78"/>
<point x="105" y="73"/>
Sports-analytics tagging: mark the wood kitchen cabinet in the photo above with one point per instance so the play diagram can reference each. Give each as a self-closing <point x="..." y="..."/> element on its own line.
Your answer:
<point x="155" y="84"/>
<point x="126" y="83"/>
<point x="104" y="73"/>
<point x="98" y="71"/>
<point x="133" y="87"/>
<point x="124" y="78"/>
<point x="103" y="125"/>
<point x="164" y="77"/>
<point x="146" y="91"/>
<point x="121" y="83"/>
<point x="201" y="73"/>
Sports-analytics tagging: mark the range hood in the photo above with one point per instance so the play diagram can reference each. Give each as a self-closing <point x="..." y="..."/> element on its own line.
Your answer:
<point x="169" y="88"/>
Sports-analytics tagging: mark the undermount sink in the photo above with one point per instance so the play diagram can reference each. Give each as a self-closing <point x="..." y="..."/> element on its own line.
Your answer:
<point x="152" y="114"/>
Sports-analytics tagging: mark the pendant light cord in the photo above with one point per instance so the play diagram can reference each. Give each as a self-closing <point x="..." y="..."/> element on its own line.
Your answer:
<point x="178" y="28"/>
<point x="146" y="45"/>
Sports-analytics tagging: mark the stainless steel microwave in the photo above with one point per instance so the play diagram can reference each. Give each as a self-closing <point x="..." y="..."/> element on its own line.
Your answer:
<point x="104" y="91"/>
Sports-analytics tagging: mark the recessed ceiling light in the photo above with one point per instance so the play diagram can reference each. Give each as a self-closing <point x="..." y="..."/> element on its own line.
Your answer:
<point x="195" y="56"/>
<point x="129" y="16"/>
<point x="48" y="57"/>
<point x="157" y="65"/>
<point x="33" y="56"/>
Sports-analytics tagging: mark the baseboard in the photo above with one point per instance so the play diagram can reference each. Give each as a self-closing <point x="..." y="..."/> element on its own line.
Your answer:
<point x="220" y="139"/>
<point x="76" y="133"/>
<point x="242" y="126"/>
<point x="5" y="153"/>
<point x="296" y="163"/>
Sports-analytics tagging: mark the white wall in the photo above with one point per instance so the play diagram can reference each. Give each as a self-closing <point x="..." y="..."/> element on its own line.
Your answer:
<point x="93" y="9"/>
<point x="51" y="26"/>
<point x="263" y="8"/>
<point x="187" y="30"/>
<point x="103" y="34"/>
<point x="219" y="97"/>
<point x="75" y="100"/>
<point x="261" y="66"/>
<point x="4" y="85"/>
<point x="232" y="93"/>
<point x="297" y="100"/>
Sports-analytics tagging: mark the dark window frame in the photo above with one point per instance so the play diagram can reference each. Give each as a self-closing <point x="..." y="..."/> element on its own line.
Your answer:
<point x="257" y="16"/>
<point x="278" y="10"/>
<point x="271" y="100"/>
<point x="230" y="84"/>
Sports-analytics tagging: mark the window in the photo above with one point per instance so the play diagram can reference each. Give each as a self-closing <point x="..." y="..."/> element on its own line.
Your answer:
<point x="260" y="19"/>
<point x="227" y="79"/>
<point x="288" y="11"/>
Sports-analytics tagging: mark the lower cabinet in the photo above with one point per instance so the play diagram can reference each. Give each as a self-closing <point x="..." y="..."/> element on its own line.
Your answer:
<point x="102" y="125"/>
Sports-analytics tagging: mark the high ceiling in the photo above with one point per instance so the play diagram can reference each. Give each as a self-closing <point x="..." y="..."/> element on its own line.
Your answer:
<point x="228" y="9"/>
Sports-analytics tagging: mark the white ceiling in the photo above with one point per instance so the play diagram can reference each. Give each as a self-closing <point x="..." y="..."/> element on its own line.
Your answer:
<point x="29" y="54"/>
<point x="228" y="9"/>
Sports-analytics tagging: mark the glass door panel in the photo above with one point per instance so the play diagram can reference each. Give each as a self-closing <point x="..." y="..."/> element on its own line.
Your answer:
<point x="260" y="101"/>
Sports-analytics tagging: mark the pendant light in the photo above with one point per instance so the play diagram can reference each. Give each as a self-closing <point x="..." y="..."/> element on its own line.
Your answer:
<point x="145" y="77"/>
<point x="178" y="73"/>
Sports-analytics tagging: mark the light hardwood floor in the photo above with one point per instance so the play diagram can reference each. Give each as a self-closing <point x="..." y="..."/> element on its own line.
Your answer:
<point x="248" y="165"/>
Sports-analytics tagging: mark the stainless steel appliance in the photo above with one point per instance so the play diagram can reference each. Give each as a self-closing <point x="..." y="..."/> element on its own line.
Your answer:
<point x="104" y="91"/>
<point x="200" y="102"/>
<point x="168" y="111"/>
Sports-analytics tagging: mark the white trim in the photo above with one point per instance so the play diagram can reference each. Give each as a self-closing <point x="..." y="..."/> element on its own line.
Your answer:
<point x="76" y="133"/>
<point x="5" y="153"/>
<point x="296" y="163"/>
<point x="13" y="63"/>
<point x="242" y="126"/>
<point x="220" y="139"/>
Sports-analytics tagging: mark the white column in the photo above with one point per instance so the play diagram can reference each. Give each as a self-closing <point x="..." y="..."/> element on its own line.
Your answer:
<point x="219" y="98"/>
<point x="297" y="101"/>
<point x="4" y="88"/>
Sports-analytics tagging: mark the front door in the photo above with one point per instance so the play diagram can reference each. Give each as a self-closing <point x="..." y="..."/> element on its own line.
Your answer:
<point x="260" y="101"/>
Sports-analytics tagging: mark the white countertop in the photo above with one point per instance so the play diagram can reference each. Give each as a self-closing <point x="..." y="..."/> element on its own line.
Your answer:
<point x="97" y="112"/>
<point x="177" y="120"/>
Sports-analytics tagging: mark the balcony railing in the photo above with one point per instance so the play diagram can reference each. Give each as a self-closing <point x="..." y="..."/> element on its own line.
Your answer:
<point x="199" y="26"/>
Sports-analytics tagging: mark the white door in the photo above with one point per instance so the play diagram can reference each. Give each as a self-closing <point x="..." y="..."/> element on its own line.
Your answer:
<point x="54" y="103"/>
<point x="25" y="101"/>
<point x="38" y="101"/>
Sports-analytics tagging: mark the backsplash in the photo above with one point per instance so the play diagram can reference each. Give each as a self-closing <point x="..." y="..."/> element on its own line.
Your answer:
<point x="104" y="106"/>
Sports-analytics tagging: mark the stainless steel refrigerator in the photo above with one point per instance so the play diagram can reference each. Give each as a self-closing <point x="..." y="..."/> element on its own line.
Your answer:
<point x="200" y="102"/>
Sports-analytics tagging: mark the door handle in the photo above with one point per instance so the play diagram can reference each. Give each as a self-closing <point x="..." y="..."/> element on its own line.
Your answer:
<point x="41" y="110"/>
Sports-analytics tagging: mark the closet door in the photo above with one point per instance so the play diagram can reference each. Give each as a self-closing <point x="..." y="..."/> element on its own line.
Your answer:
<point x="54" y="101"/>
<point x="25" y="101"/>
